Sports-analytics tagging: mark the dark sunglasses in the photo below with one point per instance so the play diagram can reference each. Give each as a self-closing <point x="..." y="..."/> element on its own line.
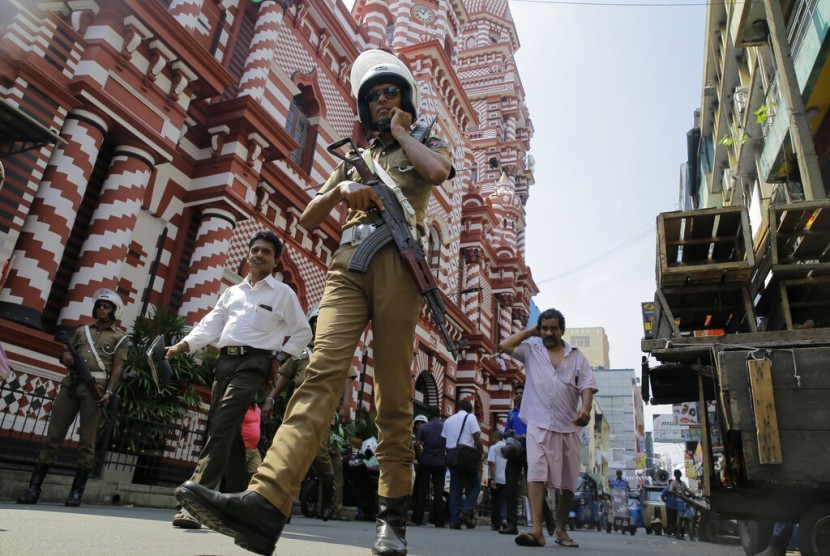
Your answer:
<point x="389" y="93"/>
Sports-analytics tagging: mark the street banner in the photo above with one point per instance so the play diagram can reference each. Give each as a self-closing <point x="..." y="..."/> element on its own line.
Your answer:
<point x="666" y="429"/>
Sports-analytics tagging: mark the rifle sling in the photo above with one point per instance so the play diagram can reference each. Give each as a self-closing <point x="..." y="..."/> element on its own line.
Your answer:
<point x="386" y="179"/>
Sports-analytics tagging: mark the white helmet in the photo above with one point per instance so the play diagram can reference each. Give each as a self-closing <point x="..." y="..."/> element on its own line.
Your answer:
<point x="420" y="419"/>
<point x="109" y="296"/>
<point x="377" y="66"/>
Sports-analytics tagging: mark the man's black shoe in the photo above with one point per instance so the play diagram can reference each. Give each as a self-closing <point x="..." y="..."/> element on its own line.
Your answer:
<point x="467" y="520"/>
<point x="509" y="530"/>
<point x="253" y="522"/>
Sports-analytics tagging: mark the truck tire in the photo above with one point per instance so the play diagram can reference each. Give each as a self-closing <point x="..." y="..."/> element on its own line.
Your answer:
<point x="814" y="531"/>
<point x="754" y="535"/>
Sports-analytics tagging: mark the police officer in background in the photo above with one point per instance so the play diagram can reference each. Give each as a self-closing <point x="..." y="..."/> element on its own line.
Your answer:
<point x="388" y="99"/>
<point x="104" y="348"/>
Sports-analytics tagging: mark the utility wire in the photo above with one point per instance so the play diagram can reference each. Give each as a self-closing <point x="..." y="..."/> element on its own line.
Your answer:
<point x="624" y="4"/>
<point x="582" y="266"/>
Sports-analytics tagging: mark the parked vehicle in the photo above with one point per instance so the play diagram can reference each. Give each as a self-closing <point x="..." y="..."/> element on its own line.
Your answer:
<point x="654" y="509"/>
<point x="635" y="511"/>
<point x="360" y="488"/>
<point x="622" y="517"/>
<point x="585" y="508"/>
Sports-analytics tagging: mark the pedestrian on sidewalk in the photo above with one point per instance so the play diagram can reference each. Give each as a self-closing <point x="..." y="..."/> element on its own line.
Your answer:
<point x="496" y="464"/>
<point x="462" y="429"/>
<point x="558" y="377"/>
<point x="251" y="320"/>
<point x="432" y="469"/>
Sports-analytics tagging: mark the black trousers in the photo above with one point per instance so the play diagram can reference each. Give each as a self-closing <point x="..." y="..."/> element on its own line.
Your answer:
<point x="512" y="476"/>
<point x="429" y="475"/>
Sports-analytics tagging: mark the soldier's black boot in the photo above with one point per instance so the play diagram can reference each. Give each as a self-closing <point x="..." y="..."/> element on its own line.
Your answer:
<point x="33" y="492"/>
<point x="328" y="499"/>
<point x="78" y="486"/>
<point x="390" y="526"/>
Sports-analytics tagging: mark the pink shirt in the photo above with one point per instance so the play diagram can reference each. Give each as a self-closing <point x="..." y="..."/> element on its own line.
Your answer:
<point x="251" y="427"/>
<point x="552" y="394"/>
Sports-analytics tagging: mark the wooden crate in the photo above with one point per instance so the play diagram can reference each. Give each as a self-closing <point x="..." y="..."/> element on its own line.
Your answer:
<point x="790" y="304"/>
<point x="700" y="247"/>
<point x="687" y="311"/>
<point x="799" y="244"/>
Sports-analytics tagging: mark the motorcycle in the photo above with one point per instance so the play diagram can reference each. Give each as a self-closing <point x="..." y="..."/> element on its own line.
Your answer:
<point x="360" y="488"/>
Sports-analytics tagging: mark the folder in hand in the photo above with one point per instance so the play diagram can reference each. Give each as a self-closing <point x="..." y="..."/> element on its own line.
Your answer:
<point x="159" y="366"/>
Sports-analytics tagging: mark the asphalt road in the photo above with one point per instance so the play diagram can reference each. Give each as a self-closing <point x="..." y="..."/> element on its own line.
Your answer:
<point x="53" y="530"/>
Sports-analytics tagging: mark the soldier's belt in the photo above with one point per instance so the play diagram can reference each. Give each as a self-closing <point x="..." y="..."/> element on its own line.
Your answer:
<point x="243" y="350"/>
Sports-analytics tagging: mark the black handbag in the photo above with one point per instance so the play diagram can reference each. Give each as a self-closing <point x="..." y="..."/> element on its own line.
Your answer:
<point x="463" y="457"/>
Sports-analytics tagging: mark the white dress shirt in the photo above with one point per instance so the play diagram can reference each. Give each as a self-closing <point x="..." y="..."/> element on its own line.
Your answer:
<point x="261" y="316"/>
<point x="452" y="427"/>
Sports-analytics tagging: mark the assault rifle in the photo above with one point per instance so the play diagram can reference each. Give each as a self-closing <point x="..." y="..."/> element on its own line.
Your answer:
<point x="394" y="227"/>
<point x="81" y="369"/>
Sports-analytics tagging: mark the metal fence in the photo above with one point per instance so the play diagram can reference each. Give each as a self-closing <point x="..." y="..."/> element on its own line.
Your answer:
<point x="128" y="449"/>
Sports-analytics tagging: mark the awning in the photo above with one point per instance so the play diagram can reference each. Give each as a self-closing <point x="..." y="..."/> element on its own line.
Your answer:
<point x="20" y="132"/>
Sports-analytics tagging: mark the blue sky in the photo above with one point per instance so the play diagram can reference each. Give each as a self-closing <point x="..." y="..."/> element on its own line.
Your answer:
<point x="611" y="92"/>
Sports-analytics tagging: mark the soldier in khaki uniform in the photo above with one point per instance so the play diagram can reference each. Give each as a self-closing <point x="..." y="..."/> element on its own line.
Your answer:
<point x="388" y="99"/>
<point x="104" y="348"/>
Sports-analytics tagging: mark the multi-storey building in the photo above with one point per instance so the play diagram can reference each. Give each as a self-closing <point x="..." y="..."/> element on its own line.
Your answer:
<point x="617" y="397"/>
<point x="592" y="342"/>
<point x="164" y="133"/>
<point x="762" y="134"/>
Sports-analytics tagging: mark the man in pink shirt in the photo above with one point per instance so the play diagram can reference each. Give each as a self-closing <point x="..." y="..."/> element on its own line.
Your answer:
<point x="558" y="376"/>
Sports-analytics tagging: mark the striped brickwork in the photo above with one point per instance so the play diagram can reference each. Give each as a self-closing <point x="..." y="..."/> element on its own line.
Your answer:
<point x="52" y="214"/>
<point x="256" y="74"/>
<point x="110" y="234"/>
<point x="203" y="285"/>
<point x="203" y="194"/>
<point x="186" y="13"/>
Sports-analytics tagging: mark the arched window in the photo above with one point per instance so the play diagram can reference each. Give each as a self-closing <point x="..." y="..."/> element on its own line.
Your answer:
<point x="390" y="32"/>
<point x="296" y="125"/>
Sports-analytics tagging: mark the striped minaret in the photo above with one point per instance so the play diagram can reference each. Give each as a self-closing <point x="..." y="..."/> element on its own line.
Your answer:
<point x="46" y="230"/>
<point x="186" y="12"/>
<point x="262" y="50"/>
<point x="207" y="265"/>
<point x="102" y="256"/>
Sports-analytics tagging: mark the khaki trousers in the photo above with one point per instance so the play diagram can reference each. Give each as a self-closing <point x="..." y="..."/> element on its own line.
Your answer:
<point x="70" y="401"/>
<point x="387" y="296"/>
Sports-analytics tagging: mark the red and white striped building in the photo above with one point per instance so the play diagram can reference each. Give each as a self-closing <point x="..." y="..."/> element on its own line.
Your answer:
<point x="186" y="125"/>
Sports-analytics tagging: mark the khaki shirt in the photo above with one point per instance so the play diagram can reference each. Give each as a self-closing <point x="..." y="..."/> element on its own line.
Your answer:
<point x="393" y="159"/>
<point x="105" y="343"/>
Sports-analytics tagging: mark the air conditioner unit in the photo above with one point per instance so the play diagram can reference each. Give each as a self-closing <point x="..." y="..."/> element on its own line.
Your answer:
<point x="741" y="97"/>
<point x="729" y="180"/>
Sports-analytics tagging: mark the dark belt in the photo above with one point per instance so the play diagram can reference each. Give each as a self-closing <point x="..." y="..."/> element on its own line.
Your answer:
<point x="243" y="350"/>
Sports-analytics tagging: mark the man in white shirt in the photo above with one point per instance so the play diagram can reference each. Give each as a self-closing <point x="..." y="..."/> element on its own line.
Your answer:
<point x="462" y="428"/>
<point x="251" y="320"/>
